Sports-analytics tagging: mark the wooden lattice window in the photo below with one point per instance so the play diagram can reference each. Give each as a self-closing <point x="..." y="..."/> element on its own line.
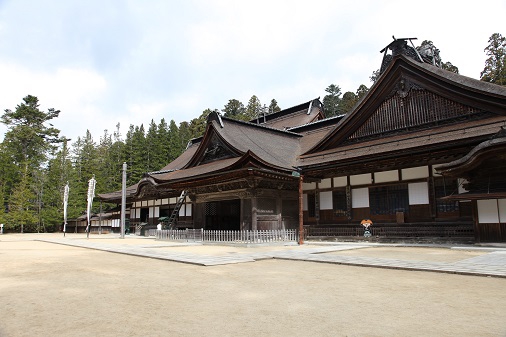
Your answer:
<point x="339" y="202"/>
<point x="311" y="205"/>
<point x="388" y="200"/>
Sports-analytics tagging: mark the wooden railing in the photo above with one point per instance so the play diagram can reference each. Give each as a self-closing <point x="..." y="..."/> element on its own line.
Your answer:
<point x="400" y="231"/>
<point x="245" y="236"/>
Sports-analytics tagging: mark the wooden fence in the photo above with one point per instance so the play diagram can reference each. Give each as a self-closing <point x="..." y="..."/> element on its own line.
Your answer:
<point x="405" y="231"/>
<point x="245" y="236"/>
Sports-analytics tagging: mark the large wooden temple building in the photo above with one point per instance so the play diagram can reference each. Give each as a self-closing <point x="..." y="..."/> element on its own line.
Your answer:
<point x="424" y="147"/>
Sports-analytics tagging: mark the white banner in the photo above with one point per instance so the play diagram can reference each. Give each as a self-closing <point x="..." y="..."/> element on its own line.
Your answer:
<point x="65" y="204"/>
<point x="91" y="195"/>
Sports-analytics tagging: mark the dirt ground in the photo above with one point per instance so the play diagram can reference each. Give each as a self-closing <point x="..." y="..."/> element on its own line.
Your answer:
<point x="54" y="290"/>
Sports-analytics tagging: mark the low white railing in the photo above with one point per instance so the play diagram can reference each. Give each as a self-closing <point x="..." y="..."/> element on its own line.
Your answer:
<point x="244" y="236"/>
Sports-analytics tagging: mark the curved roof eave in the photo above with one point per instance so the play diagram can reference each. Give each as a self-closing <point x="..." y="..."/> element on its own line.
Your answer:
<point x="471" y="160"/>
<point x="247" y="160"/>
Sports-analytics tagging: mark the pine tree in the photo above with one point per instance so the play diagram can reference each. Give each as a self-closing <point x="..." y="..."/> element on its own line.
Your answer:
<point x="273" y="107"/>
<point x="138" y="155"/>
<point x="22" y="213"/>
<point x="175" y="148"/>
<point x="59" y="172"/>
<point x="253" y="109"/>
<point x="86" y="163"/>
<point x="26" y="147"/>
<point x="198" y="125"/>
<point x="28" y="137"/>
<point x="163" y="145"/>
<point x="346" y="103"/>
<point x="495" y="65"/>
<point x="234" y="109"/>
<point x="152" y="147"/>
<point x="9" y="175"/>
<point x="332" y="100"/>
<point x="184" y="134"/>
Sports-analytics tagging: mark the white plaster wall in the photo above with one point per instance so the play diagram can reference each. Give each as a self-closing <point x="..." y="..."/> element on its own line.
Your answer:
<point x="418" y="193"/>
<point x="360" y="197"/>
<point x="308" y="186"/>
<point x="415" y="173"/>
<point x="502" y="209"/>
<point x="386" y="176"/>
<point x="487" y="211"/>
<point x="326" y="200"/>
<point x="325" y="183"/>
<point x="340" y="181"/>
<point x="361" y="179"/>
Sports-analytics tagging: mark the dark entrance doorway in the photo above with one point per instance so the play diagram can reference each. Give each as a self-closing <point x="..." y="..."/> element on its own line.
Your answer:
<point x="223" y="215"/>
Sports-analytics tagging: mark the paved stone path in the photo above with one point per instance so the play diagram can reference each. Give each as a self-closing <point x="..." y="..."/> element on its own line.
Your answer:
<point x="491" y="263"/>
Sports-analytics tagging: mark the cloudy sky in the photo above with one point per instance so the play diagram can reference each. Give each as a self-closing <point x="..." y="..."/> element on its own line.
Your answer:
<point x="103" y="62"/>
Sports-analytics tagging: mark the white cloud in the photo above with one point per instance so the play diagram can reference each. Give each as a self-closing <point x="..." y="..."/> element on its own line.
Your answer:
<point x="132" y="61"/>
<point x="74" y="92"/>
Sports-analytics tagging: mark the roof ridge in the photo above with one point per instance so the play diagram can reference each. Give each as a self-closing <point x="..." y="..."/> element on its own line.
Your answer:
<point x="317" y="122"/>
<point x="260" y="126"/>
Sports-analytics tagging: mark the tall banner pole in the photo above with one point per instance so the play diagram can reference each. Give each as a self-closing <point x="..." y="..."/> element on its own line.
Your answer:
<point x="123" y="201"/>
<point x="65" y="204"/>
<point x="91" y="195"/>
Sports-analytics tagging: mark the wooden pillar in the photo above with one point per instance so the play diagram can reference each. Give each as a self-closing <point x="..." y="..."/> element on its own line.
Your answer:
<point x="301" y="212"/>
<point x="254" y="213"/>
<point x="279" y="210"/>
<point x="242" y="227"/>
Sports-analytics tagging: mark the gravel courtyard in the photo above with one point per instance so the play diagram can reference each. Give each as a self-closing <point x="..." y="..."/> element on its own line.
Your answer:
<point x="54" y="290"/>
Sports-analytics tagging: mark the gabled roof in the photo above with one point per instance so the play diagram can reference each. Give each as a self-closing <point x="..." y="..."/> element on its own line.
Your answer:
<point x="228" y="141"/>
<point x="400" y="77"/>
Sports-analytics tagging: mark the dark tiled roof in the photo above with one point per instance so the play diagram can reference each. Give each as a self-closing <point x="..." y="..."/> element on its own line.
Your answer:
<point x="183" y="159"/>
<point x="293" y="120"/>
<point x="464" y="81"/>
<point x="130" y="190"/>
<point x="196" y="171"/>
<point x="278" y="148"/>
